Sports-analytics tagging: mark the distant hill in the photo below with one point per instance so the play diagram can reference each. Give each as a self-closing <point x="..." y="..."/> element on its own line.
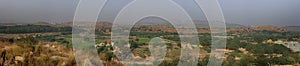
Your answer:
<point x="268" y="28"/>
<point x="8" y="24"/>
<point x="70" y="24"/>
<point x="205" y="24"/>
<point x="104" y="26"/>
<point x="65" y="24"/>
<point x="42" y="23"/>
<point x="292" y="28"/>
<point x="258" y="28"/>
<point x="198" y="23"/>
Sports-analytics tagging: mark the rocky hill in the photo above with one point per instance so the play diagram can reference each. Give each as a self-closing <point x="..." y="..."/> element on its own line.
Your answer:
<point x="292" y="28"/>
<point x="258" y="28"/>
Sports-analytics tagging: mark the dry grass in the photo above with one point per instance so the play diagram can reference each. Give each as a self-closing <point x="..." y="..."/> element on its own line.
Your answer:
<point x="23" y="54"/>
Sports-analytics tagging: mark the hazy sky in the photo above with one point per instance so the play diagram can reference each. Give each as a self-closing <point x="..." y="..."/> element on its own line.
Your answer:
<point x="246" y="12"/>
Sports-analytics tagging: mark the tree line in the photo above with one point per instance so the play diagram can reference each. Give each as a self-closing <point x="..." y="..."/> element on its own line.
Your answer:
<point x="32" y="29"/>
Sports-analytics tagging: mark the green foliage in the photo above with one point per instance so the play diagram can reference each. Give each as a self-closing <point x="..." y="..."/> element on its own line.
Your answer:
<point x="32" y="29"/>
<point x="151" y="35"/>
<point x="247" y="60"/>
<point x="143" y="40"/>
<point x="260" y="49"/>
<point x="296" y="56"/>
<point x="205" y="40"/>
<point x="262" y="61"/>
<point x="285" y="60"/>
<point x="233" y="44"/>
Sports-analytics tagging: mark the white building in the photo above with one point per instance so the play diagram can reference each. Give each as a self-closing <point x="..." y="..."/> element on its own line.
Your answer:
<point x="294" y="46"/>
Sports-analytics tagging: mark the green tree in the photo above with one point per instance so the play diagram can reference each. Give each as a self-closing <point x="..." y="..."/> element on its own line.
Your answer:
<point x="262" y="61"/>
<point x="283" y="60"/>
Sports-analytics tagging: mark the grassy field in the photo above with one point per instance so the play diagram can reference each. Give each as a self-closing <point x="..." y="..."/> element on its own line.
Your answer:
<point x="143" y="40"/>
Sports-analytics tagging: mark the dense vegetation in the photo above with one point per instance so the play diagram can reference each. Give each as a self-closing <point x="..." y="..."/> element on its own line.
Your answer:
<point x="32" y="29"/>
<point x="259" y="52"/>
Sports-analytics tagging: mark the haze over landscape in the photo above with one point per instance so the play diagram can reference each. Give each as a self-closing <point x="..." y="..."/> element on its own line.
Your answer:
<point x="42" y="33"/>
<point x="250" y="12"/>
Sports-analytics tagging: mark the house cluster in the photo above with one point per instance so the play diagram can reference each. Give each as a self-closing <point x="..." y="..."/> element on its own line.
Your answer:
<point x="103" y="44"/>
<point x="293" y="45"/>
